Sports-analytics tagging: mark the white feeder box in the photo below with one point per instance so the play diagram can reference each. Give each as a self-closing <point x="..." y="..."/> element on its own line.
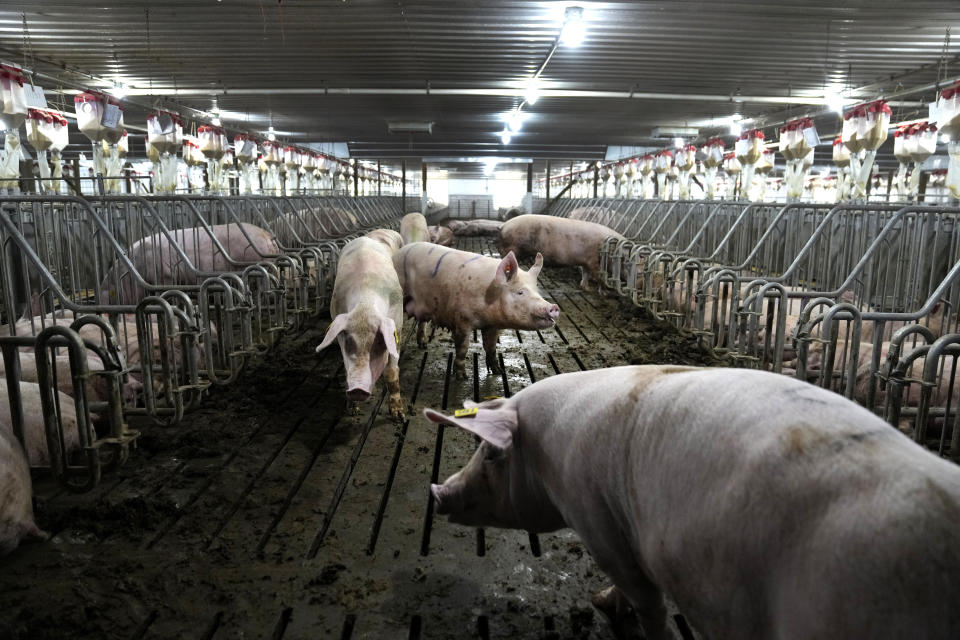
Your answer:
<point x="948" y="111"/>
<point x="211" y="141"/>
<point x="61" y="137"/>
<point x="112" y="122"/>
<point x="866" y="125"/>
<point x="164" y="131"/>
<point x="919" y="142"/>
<point x="14" y="98"/>
<point x="89" y="109"/>
<point x="798" y="138"/>
<point x="39" y="129"/>
<point x="245" y="148"/>
<point x="291" y="157"/>
<point x="685" y="160"/>
<point x="308" y="161"/>
<point x="271" y="152"/>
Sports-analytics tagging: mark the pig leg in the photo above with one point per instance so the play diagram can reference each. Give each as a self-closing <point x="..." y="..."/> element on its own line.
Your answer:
<point x="619" y="612"/>
<point x="584" y="279"/>
<point x="392" y="376"/>
<point x="490" y="347"/>
<point x="461" y="339"/>
<point x="421" y="330"/>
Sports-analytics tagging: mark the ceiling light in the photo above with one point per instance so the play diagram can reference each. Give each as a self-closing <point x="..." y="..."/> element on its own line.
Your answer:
<point x="118" y="91"/>
<point x="505" y="136"/>
<point x="533" y="91"/>
<point x="573" y="31"/>
<point x="677" y="143"/>
<point x="216" y="121"/>
<point x="515" y="121"/>
<point x="735" y="128"/>
<point x="945" y="138"/>
<point x="271" y="136"/>
<point x="833" y="100"/>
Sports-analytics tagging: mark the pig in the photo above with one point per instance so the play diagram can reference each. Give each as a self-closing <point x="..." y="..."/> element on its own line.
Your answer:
<point x="475" y="227"/>
<point x="388" y="237"/>
<point x="95" y="387"/>
<point x="34" y="432"/>
<point x="460" y="291"/>
<point x="413" y="228"/>
<point x="158" y="262"/>
<point x="441" y="235"/>
<point x="367" y="312"/>
<point x="563" y="242"/>
<point x="764" y="506"/>
<point x="16" y="504"/>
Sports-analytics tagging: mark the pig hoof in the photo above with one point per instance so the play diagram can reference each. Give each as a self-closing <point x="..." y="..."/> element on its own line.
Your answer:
<point x="621" y="616"/>
<point x="460" y="372"/>
<point x="494" y="367"/>
<point x="396" y="409"/>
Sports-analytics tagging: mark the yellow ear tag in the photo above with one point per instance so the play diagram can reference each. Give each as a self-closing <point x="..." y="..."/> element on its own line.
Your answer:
<point x="396" y="337"/>
<point x="491" y="397"/>
<point x="466" y="413"/>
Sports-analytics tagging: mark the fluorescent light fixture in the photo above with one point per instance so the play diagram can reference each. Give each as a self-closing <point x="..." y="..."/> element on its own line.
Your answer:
<point x="505" y="136"/>
<point x="410" y="127"/>
<point x="677" y="143"/>
<point x="834" y="100"/>
<point x="674" y="132"/>
<point x="515" y="121"/>
<point x="533" y="91"/>
<point x="573" y="31"/>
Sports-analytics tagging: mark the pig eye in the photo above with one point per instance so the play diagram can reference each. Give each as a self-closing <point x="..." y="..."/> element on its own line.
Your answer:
<point x="520" y="292"/>
<point x="350" y="345"/>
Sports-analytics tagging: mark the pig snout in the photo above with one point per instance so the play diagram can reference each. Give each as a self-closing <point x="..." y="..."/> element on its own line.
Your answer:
<point x="358" y="394"/>
<point x="440" y="501"/>
<point x="548" y="314"/>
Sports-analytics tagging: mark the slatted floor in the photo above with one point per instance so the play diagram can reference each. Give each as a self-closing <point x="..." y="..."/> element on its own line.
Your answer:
<point x="273" y="512"/>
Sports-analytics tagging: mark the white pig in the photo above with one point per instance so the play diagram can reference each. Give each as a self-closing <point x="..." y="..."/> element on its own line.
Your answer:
<point x="413" y="228"/>
<point x="34" y="432"/>
<point x="764" y="506"/>
<point x="16" y="506"/>
<point x="562" y="241"/>
<point x="388" y="237"/>
<point x="367" y="312"/>
<point x="461" y="291"/>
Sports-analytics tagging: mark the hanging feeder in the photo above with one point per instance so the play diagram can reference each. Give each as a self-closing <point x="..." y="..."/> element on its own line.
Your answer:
<point x="164" y="140"/>
<point x="685" y="160"/>
<point x="864" y="130"/>
<point x="798" y="138"/>
<point x="948" y="122"/>
<point x="662" y="163"/>
<point x="919" y="143"/>
<point x="841" y="158"/>
<point x="712" y="151"/>
<point x="748" y="149"/>
<point x="764" y="167"/>
<point x="731" y="167"/>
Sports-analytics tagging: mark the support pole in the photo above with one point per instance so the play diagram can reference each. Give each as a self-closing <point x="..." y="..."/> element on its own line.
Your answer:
<point x="596" y="180"/>
<point x="356" y="180"/>
<point x="423" y="188"/>
<point x="548" y="180"/>
<point x="403" y="187"/>
<point x="379" y="177"/>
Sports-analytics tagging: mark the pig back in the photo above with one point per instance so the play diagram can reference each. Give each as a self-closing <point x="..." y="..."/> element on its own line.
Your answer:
<point x="392" y="239"/>
<point x="365" y="268"/>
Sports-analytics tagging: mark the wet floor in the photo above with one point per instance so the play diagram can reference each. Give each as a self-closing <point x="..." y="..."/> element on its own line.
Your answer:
<point x="274" y="512"/>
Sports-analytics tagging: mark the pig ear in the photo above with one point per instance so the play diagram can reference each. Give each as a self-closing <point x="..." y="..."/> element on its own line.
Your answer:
<point x="537" y="265"/>
<point x="496" y="426"/>
<point x="339" y="324"/>
<point x="486" y="404"/>
<point x="507" y="268"/>
<point x="388" y="328"/>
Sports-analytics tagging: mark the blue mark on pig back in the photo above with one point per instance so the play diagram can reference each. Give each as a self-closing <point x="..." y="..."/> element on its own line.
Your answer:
<point x="470" y="260"/>
<point x="431" y="249"/>
<point x="437" y="268"/>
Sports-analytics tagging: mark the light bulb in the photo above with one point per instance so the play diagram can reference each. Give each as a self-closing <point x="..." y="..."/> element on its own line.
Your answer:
<point x="833" y="100"/>
<point x="216" y="121"/>
<point x="533" y="91"/>
<point x="677" y="143"/>
<point x="118" y="91"/>
<point x="505" y="136"/>
<point x="515" y="122"/>
<point x="271" y="136"/>
<point x="573" y="31"/>
<point x="735" y="128"/>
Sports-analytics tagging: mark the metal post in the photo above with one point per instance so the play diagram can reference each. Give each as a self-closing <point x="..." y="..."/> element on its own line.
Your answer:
<point x="356" y="179"/>
<point x="379" y="177"/>
<point x="548" y="180"/>
<point x="596" y="180"/>
<point x="423" y="188"/>
<point x="571" y="179"/>
<point x="403" y="190"/>
<point x="76" y="176"/>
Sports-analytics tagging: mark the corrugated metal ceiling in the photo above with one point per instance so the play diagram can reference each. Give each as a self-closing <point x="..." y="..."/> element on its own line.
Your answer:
<point x="745" y="48"/>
